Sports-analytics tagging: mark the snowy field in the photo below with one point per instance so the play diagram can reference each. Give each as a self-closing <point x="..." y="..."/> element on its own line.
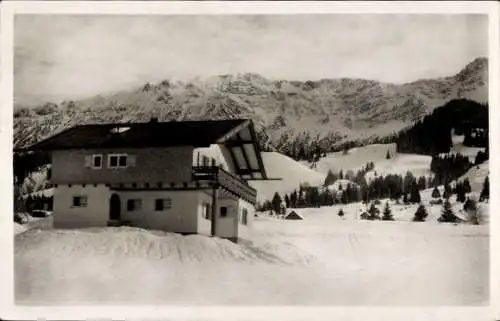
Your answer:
<point x="321" y="260"/>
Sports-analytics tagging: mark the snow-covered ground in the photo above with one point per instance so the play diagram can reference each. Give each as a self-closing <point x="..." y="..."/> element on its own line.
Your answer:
<point x="291" y="172"/>
<point x="42" y="223"/>
<point x="20" y="228"/>
<point x="323" y="259"/>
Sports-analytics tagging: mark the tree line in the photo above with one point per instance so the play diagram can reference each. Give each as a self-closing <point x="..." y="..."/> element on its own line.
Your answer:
<point x="432" y="134"/>
<point x="392" y="186"/>
<point x="450" y="167"/>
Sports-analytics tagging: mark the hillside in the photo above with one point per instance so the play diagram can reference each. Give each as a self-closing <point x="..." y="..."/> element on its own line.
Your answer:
<point x="292" y="174"/>
<point x="288" y="114"/>
<point x="476" y="176"/>
<point x="354" y="159"/>
<point x="357" y="157"/>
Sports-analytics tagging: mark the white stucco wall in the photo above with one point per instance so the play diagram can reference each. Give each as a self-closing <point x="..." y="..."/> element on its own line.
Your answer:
<point x="214" y="151"/>
<point x="226" y="226"/>
<point x="180" y="218"/>
<point x="95" y="214"/>
<point x="184" y="216"/>
<point x="204" y="225"/>
<point x="244" y="231"/>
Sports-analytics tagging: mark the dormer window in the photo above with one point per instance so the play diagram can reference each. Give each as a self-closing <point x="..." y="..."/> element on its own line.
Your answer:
<point x="119" y="130"/>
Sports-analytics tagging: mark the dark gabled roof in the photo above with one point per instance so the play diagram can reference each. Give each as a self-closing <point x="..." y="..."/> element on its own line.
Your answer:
<point x="152" y="134"/>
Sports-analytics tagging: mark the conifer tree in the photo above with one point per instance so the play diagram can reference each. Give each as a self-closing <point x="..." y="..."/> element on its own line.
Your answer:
<point x="287" y="201"/>
<point x="373" y="212"/>
<point x="435" y="193"/>
<point x="447" y="215"/>
<point x="460" y="190"/>
<point x="276" y="202"/>
<point x="466" y="185"/>
<point x="414" y="193"/>
<point x="364" y="193"/>
<point x="470" y="207"/>
<point x="405" y="198"/>
<point x="447" y="191"/>
<point x="330" y="178"/>
<point x="422" y="184"/>
<point x="420" y="214"/>
<point x="485" y="192"/>
<point x="344" y="198"/>
<point x="293" y="199"/>
<point x="387" y="214"/>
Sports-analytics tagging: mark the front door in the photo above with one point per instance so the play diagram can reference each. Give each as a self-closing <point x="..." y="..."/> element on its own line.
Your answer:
<point x="114" y="208"/>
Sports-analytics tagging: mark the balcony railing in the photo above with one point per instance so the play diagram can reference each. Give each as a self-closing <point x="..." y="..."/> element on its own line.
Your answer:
<point x="226" y="180"/>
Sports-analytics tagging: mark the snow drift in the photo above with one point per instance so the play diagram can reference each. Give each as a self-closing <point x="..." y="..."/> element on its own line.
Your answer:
<point x="323" y="260"/>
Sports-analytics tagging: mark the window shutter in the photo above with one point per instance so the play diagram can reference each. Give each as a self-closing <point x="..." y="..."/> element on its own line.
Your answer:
<point x="88" y="161"/>
<point x="131" y="160"/>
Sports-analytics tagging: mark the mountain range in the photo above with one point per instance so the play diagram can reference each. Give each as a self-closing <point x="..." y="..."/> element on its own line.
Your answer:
<point x="287" y="113"/>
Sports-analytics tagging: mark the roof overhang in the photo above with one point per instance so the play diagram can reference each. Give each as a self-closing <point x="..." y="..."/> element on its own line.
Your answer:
<point x="241" y="142"/>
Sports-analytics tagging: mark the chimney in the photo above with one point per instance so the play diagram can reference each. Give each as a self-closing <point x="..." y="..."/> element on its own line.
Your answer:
<point x="153" y="120"/>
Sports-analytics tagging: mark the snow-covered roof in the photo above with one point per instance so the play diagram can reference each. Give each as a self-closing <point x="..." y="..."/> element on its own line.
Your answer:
<point x="295" y="214"/>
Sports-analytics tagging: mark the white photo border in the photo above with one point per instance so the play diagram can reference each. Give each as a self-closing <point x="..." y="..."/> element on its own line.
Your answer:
<point x="11" y="312"/>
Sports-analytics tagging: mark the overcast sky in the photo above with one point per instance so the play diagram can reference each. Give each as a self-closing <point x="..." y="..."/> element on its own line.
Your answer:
<point x="72" y="57"/>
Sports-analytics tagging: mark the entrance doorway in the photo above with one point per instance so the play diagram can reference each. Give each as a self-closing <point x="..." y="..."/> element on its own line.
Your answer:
<point x="114" y="208"/>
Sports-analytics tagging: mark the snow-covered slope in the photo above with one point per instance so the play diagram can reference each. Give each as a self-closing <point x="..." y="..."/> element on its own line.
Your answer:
<point x="476" y="176"/>
<point x="400" y="164"/>
<point x="355" y="159"/>
<point x="292" y="174"/>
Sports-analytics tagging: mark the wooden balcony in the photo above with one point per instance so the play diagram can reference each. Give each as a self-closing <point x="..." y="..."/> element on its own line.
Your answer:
<point x="226" y="180"/>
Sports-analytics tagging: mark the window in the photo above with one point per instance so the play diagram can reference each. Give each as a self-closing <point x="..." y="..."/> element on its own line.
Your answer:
<point x="244" y="216"/>
<point x="134" y="205"/>
<point x="96" y="161"/>
<point x="122" y="161"/>
<point x="79" y="201"/>
<point x="117" y="161"/>
<point x="163" y="204"/>
<point x="223" y="211"/>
